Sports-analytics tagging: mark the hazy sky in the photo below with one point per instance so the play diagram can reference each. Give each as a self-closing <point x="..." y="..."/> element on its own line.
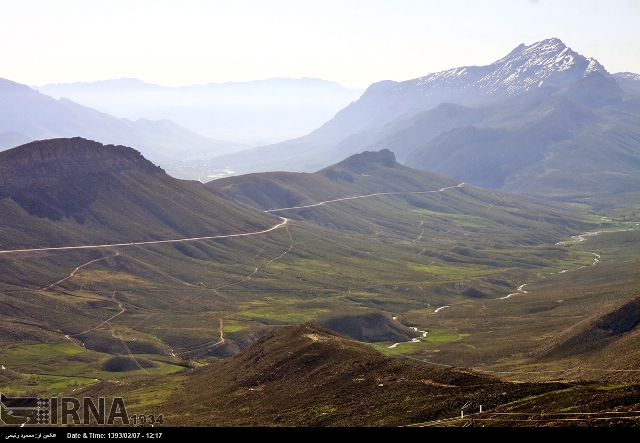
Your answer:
<point x="353" y="42"/>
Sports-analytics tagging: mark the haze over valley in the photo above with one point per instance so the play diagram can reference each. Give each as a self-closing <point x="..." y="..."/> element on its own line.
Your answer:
<point x="251" y="113"/>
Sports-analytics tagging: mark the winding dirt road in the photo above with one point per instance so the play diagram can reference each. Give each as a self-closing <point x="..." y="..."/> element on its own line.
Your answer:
<point x="122" y="311"/>
<point x="273" y="228"/>
<point x="76" y="270"/>
<point x="113" y="245"/>
<point x="206" y="346"/>
<point x="366" y="196"/>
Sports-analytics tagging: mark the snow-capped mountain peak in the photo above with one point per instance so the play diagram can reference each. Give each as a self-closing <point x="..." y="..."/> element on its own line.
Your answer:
<point x="546" y="63"/>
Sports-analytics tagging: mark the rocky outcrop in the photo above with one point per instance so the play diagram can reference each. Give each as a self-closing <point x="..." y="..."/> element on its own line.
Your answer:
<point x="60" y="177"/>
<point x="359" y="163"/>
<point x="45" y="162"/>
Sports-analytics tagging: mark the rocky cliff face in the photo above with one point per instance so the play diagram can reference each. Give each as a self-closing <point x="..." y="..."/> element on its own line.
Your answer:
<point x="59" y="177"/>
<point x="61" y="158"/>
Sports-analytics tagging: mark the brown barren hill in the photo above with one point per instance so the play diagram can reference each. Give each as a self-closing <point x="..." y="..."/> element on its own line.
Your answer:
<point x="310" y="376"/>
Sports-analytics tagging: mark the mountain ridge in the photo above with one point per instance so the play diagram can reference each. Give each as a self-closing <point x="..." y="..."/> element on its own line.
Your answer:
<point x="46" y="152"/>
<point x="548" y="63"/>
<point x="352" y="195"/>
<point x="629" y="81"/>
<point x="585" y="127"/>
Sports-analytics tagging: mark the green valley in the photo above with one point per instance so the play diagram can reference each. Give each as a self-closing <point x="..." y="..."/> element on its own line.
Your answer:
<point x="451" y="274"/>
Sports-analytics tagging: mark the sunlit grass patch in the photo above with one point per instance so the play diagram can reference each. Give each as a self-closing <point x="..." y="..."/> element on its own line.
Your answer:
<point x="233" y="327"/>
<point x="275" y="314"/>
<point x="612" y="386"/>
<point x="437" y="336"/>
<point x="42" y="385"/>
<point x="451" y="273"/>
<point x="96" y="276"/>
<point x="20" y="355"/>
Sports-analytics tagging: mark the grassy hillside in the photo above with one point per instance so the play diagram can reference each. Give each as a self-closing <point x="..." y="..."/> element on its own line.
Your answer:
<point x="462" y="228"/>
<point x="401" y="201"/>
<point x="310" y="376"/>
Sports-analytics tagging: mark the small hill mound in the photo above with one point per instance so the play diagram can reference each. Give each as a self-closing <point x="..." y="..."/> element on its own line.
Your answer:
<point x="125" y="364"/>
<point x="371" y="327"/>
<point x="359" y="163"/>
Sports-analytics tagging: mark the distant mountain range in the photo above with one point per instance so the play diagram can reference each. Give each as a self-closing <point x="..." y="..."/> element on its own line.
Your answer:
<point x="27" y="115"/>
<point x="488" y="124"/>
<point x="629" y="81"/>
<point x="255" y="112"/>
<point x="543" y="120"/>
